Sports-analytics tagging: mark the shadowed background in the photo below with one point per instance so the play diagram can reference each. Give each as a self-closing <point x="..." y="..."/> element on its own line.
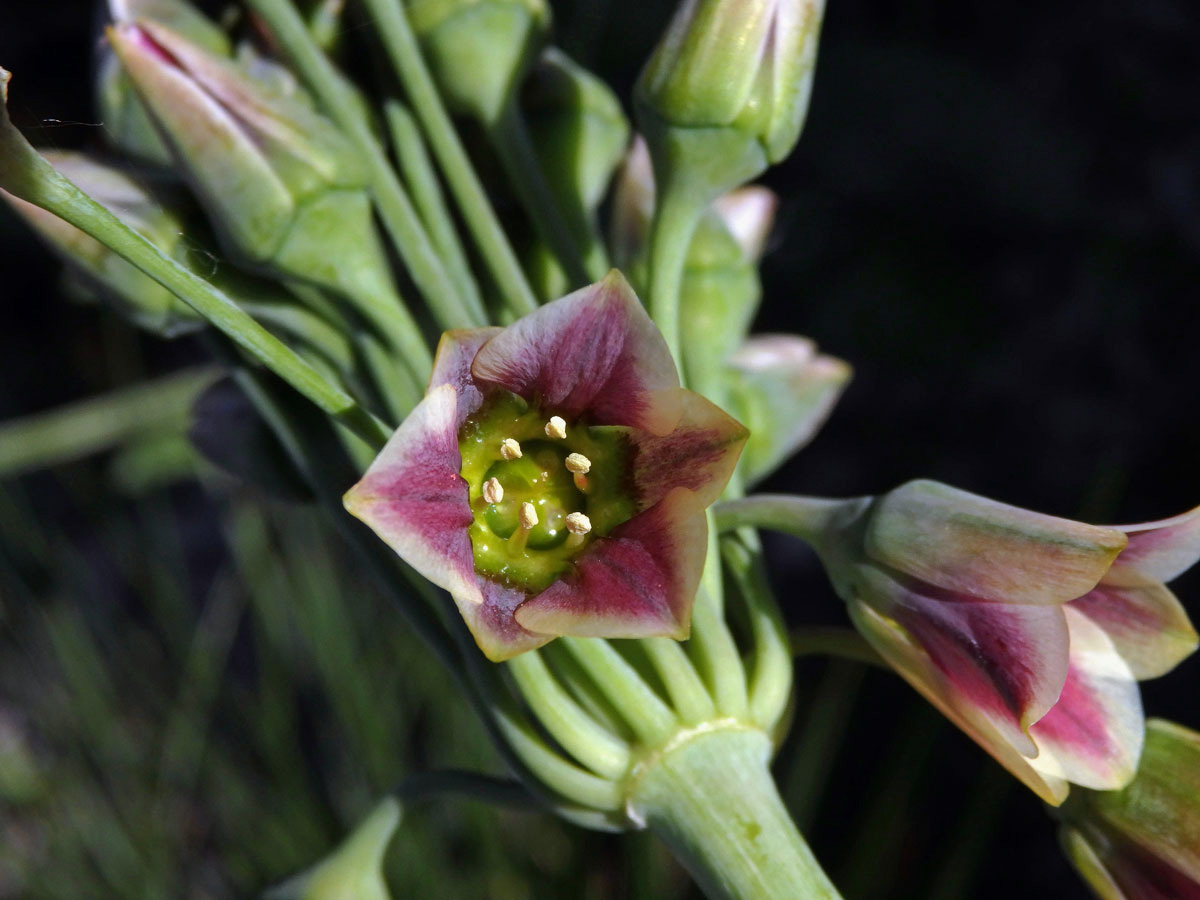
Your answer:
<point x="993" y="214"/>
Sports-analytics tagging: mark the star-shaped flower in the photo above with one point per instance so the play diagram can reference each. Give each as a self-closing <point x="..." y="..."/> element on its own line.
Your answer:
<point x="554" y="478"/>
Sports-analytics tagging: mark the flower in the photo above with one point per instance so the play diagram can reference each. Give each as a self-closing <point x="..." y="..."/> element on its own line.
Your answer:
<point x="1143" y="842"/>
<point x="1028" y="631"/>
<point x="600" y="532"/>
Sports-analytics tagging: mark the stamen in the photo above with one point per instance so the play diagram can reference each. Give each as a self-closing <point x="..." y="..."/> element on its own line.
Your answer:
<point x="556" y="427"/>
<point x="510" y="449"/>
<point x="528" y="518"/>
<point x="493" y="490"/>
<point x="578" y="463"/>
<point x="579" y="525"/>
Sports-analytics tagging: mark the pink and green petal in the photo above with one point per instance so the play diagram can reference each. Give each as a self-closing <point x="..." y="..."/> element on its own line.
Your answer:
<point x="1093" y="736"/>
<point x="783" y="391"/>
<point x="452" y="365"/>
<point x="1147" y="625"/>
<point x="699" y="455"/>
<point x="493" y="626"/>
<point x="914" y="665"/>
<point x="637" y="582"/>
<point x="594" y="353"/>
<point x="413" y="497"/>
<point x="1003" y="663"/>
<point x="1159" y="551"/>
<point x="986" y="550"/>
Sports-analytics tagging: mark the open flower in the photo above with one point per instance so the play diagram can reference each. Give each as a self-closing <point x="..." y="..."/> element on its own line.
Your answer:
<point x="1027" y="631"/>
<point x="554" y="478"/>
<point x="1143" y="842"/>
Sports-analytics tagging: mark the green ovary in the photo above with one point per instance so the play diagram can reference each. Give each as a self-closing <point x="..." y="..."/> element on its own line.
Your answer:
<point x="532" y="559"/>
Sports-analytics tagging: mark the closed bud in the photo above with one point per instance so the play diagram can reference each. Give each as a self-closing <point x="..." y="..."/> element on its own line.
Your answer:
<point x="727" y="88"/>
<point x="254" y="156"/>
<point x="479" y="50"/>
<point x="135" y="295"/>
<point x="782" y="389"/>
<point x="1142" y="842"/>
<point x="354" y="869"/>
<point x="578" y="127"/>
<point x="127" y="124"/>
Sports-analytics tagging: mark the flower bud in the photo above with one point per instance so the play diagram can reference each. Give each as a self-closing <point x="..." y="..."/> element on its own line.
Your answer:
<point x="578" y="127"/>
<point x="727" y="89"/>
<point x="283" y="188"/>
<point x="1142" y="842"/>
<point x="580" y="133"/>
<point x="479" y="50"/>
<point x="354" y="869"/>
<point x="135" y="295"/>
<point x="255" y="158"/>
<point x="783" y="391"/>
<point x="127" y="125"/>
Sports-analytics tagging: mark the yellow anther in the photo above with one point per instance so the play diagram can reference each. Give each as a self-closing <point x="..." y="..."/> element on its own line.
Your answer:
<point x="578" y="523"/>
<point x="528" y="516"/>
<point x="493" y="490"/>
<point x="578" y="464"/>
<point x="510" y="449"/>
<point x="556" y="427"/>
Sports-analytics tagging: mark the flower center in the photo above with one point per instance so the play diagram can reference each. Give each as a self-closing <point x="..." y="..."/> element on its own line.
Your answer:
<point x="541" y="489"/>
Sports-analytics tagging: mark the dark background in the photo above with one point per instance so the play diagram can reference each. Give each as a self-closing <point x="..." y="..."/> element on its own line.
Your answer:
<point x="994" y="215"/>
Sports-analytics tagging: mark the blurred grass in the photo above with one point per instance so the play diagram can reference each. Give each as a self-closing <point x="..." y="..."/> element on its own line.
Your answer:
<point x="200" y="697"/>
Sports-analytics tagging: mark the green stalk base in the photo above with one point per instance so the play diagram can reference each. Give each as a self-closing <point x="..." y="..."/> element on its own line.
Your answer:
<point x="710" y="796"/>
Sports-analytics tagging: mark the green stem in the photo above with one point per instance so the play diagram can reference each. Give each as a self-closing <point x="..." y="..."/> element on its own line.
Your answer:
<point x="718" y="657"/>
<point x="676" y="214"/>
<point x="510" y="137"/>
<point x="343" y="105"/>
<point x="98" y="423"/>
<point x="308" y="327"/>
<point x="841" y="643"/>
<point x="771" y="677"/>
<point x="401" y="45"/>
<point x="394" y="382"/>
<point x="804" y="517"/>
<point x="689" y="697"/>
<point x="645" y="713"/>
<point x="579" y="734"/>
<point x="27" y="175"/>
<point x="711" y="798"/>
<point x="421" y="177"/>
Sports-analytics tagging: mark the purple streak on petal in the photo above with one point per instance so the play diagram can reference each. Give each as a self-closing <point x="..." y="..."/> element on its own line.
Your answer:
<point x="1159" y="551"/>
<point x="896" y="646"/>
<point x="493" y="626"/>
<point x="452" y="365"/>
<point x="1008" y="662"/>
<point x="698" y="455"/>
<point x="639" y="581"/>
<point x="413" y="497"/>
<point x="1147" y="625"/>
<point x="1093" y="736"/>
<point x="1142" y="875"/>
<point x="593" y="352"/>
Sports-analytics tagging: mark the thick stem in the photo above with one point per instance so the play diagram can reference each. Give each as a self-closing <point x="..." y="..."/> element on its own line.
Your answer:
<point x="675" y="217"/>
<point x="711" y="798"/>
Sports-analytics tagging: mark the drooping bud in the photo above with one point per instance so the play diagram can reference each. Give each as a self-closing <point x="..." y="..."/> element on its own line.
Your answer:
<point x="282" y="187"/>
<point x="726" y="91"/>
<point x="479" y="50"/>
<point x="1142" y="841"/>
<point x="354" y="869"/>
<point x="135" y="295"/>
<point x="782" y="390"/>
<point x="127" y="124"/>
